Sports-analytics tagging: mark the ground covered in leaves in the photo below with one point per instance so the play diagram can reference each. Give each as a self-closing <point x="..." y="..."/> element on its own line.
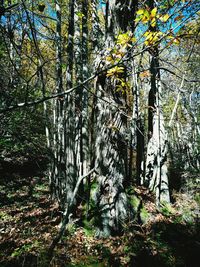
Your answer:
<point x="29" y="220"/>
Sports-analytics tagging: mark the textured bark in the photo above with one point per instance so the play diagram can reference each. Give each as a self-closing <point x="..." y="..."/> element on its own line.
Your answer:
<point x="64" y="168"/>
<point x="156" y="169"/>
<point x="57" y="175"/>
<point x="110" y="164"/>
<point x="137" y="127"/>
<point x="71" y="166"/>
<point x="111" y="144"/>
<point x="82" y="73"/>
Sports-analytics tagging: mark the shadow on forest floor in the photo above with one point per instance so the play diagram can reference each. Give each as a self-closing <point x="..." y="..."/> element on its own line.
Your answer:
<point x="29" y="220"/>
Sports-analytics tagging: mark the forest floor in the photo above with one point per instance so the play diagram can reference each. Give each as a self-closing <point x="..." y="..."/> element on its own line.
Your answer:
<point x="29" y="220"/>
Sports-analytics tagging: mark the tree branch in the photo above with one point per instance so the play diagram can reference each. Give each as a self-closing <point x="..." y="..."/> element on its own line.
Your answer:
<point x="66" y="214"/>
<point x="61" y="94"/>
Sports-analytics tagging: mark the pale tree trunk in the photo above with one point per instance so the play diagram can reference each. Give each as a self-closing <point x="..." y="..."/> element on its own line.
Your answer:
<point x="71" y="166"/>
<point x="57" y="174"/>
<point x="64" y="171"/>
<point x="185" y="139"/>
<point x="85" y="75"/>
<point x="111" y="144"/>
<point x="81" y="48"/>
<point x="81" y="94"/>
<point x="156" y="166"/>
<point x="191" y="113"/>
<point x="110" y="197"/>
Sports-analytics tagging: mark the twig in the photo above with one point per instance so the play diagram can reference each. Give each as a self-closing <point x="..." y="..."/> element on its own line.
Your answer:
<point x="66" y="214"/>
<point x="32" y="103"/>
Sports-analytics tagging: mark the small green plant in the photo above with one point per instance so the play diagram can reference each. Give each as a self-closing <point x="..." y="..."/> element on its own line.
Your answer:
<point x="144" y="215"/>
<point x="26" y="248"/>
<point x="5" y="216"/>
<point x="22" y="250"/>
<point x="135" y="201"/>
<point x="167" y="209"/>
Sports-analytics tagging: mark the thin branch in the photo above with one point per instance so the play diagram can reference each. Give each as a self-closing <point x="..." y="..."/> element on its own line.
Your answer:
<point x="61" y="94"/>
<point x="186" y="80"/>
<point x="67" y="213"/>
<point x="177" y="101"/>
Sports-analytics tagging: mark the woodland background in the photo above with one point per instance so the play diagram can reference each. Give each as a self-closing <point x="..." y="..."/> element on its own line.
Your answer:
<point x="99" y="133"/>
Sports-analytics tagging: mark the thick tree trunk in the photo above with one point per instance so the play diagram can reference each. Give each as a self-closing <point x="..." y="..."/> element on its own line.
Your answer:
<point x="111" y="144"/>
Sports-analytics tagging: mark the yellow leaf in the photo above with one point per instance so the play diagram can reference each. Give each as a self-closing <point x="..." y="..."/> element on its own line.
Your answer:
<point x="176" y="41"/>
<point x="153" y="22"/>
<point x="152" y="37"/>
<point x="114" y="71"/>
<point x="145" y="18"/>
<point x="145" y="74"/>
<point x="153" y="12"/>
<point x="140" y="12"/>
<point x="133" y="39"/>
<point x="164" y="18"/>
<point x="123" y="39"/>
<point x="109" y="59"/>
<point x="170" y="37"/>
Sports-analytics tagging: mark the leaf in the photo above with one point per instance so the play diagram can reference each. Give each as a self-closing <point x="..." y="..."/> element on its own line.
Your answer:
<point x="80" y="14"/>
<point x="153" y="22"/>
<point x="125" y="39"/>
<point x="153" y="12"/>
<point x="179" y="17"/>
<point x="140" y="12"/>
<point x="164" y="18"/>
<point x="109" y="59"/>
<point x="145" y="17"/>
<point x="152" y="37"/>
<point x="153" y="17"/>
<point x="114" y="71"/>
<point x="176" y="41"/>
<point x="138" y="19"/>
<point x="145" y="74"/>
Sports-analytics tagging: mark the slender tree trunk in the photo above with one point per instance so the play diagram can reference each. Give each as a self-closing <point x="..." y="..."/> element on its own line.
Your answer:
<point x="64" y="169"/>
<point x="137" y="124"/>
<point x="71" y="162"/>
<point x="58" y="171"/>
<point x="156" y="169"/>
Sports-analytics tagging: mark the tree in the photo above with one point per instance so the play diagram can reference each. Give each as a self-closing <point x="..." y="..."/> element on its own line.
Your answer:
<point x="114" y="115"/>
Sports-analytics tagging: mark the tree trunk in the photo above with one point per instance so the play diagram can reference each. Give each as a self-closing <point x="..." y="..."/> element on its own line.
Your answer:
<point x="156" y="169"/>
<point x="111" y="144"/>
